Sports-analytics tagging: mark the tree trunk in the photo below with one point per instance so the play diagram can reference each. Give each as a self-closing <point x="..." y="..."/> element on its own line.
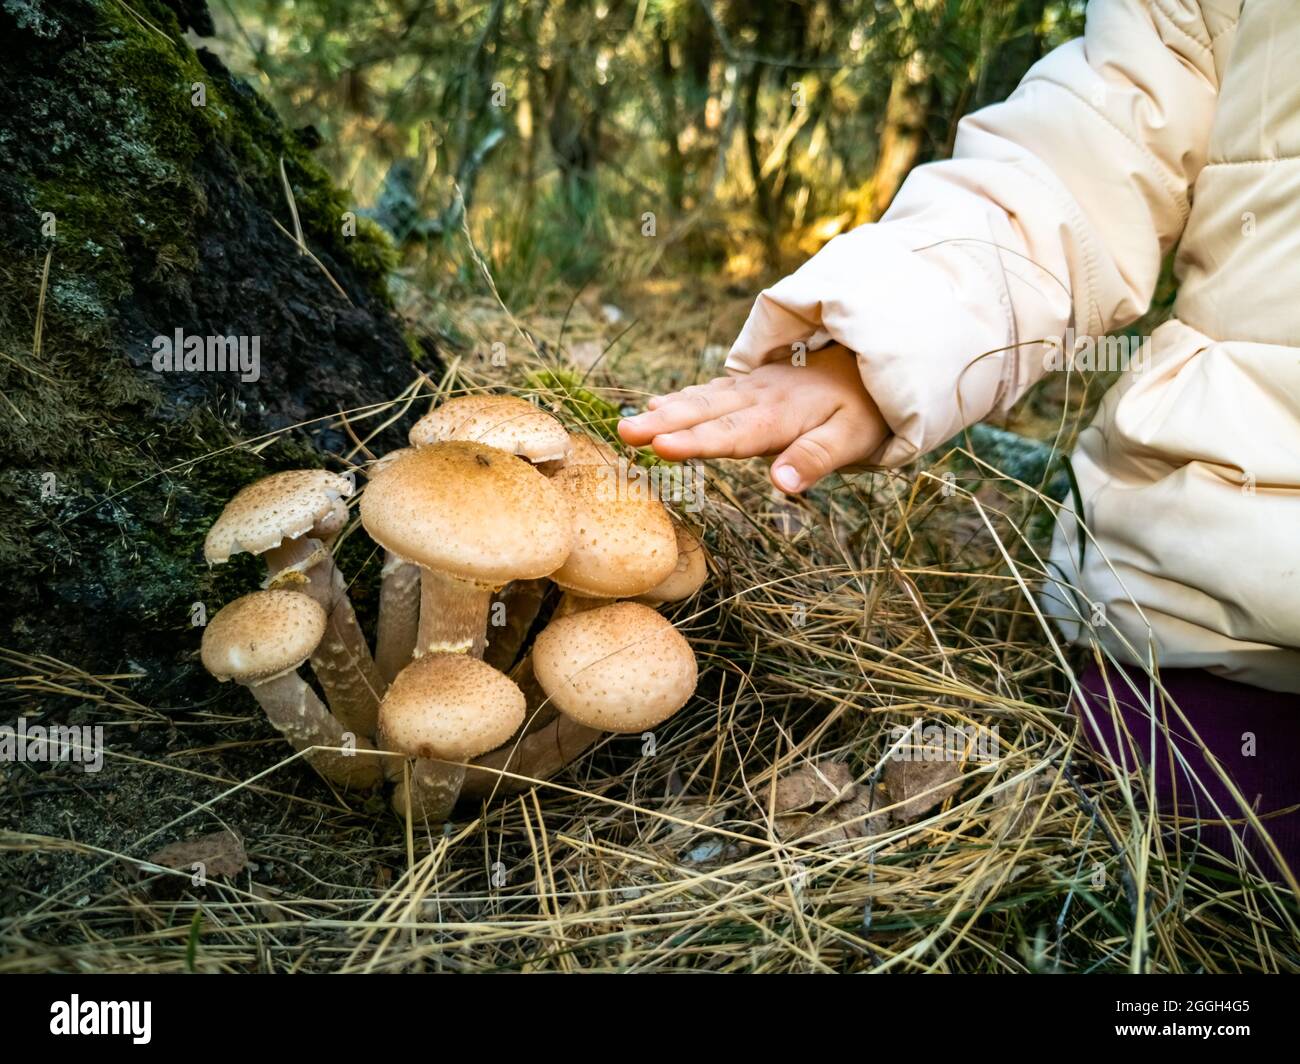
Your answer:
<point x="671" y="126"/>
<point x="144" y="189"/>
<point x="903" y="134"/>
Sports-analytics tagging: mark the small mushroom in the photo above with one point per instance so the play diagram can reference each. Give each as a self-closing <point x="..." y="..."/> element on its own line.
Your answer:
<point x="688" y="577"/>
<point x="274" y="517"/>
<point x="473" y="518"/>
<point x="505" y="422"/>
<point x="444" y="709"/>
<point x="259" y="641"/>
<point x="620" y="668"/>
<point x="515" y="425"/>
<point x="623" y="539"/>
<point x="291" y="520"/>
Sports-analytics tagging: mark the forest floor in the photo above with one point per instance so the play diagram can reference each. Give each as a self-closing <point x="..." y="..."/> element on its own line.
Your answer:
<point x="828" y="621"/>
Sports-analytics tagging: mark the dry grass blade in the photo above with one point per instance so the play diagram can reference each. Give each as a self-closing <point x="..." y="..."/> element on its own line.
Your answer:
<point x="832" y="626"/>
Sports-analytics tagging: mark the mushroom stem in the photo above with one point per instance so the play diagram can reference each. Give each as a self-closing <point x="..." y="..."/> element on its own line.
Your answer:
<point x="453" y="615"/>
<point x="538" y="756"/>
<point x="432" y="791"/>
<point x="342" y="662"/>
<point x="538" y="709"/>
<point x="300" y="716"/>
<point x="522" y="601"/>
<point x="399" y="616"/>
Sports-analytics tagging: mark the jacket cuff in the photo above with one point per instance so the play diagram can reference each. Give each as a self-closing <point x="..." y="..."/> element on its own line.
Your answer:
<point x="877" y="290"/>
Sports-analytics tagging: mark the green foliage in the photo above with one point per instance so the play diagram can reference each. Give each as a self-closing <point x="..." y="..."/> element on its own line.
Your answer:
<point x="584" y="406"/>
<point x="559" y="125"/>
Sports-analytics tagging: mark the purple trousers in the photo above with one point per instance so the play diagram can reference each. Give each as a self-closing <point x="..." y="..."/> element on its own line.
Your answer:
<point x="1253" y="733"/>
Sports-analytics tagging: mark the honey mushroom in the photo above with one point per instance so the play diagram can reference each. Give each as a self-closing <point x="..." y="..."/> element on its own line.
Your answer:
<point x="259" y="641"/>
<point x="616" y="668"/>
<point x="516" y="426"/>
<point x="442" y="710"/>
<point x="460" y="518"/>
<point x="472" y="518"/>
<point x="291" y="520"/>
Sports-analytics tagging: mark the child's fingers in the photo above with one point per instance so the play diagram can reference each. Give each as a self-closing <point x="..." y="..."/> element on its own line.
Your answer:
<point x="828" y="447"/>
<point x="681" y="411"/>
<point x="745" y="433"/>
<point x="656" y="401"/>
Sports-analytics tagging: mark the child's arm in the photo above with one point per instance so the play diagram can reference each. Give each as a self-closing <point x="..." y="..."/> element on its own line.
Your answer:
<point x="1055" y="209"/>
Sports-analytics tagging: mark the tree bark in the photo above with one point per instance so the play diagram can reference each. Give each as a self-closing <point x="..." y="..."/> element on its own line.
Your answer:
<point x="164" y="212"/>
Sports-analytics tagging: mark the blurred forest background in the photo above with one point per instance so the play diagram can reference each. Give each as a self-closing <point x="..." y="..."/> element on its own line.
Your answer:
<point x="741" y="136"/>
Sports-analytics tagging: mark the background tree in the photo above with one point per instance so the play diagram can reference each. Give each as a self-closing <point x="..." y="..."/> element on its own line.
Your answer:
<point x="749" y="129"/>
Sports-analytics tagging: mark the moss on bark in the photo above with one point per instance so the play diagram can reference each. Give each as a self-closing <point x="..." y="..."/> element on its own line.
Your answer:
<point x="153" y="204"/>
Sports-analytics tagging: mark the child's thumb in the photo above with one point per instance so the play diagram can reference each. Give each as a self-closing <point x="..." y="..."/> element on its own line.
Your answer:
<point x="816" y="454"/>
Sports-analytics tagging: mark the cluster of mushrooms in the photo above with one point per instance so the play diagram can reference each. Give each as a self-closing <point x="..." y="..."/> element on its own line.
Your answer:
<point x="492" y="499"/>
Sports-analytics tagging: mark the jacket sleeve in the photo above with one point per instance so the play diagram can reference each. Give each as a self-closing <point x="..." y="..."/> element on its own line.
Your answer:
<point x="1055" y="210"/>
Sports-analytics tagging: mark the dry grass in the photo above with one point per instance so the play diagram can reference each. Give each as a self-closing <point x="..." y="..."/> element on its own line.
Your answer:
<point x="827" y="621"/>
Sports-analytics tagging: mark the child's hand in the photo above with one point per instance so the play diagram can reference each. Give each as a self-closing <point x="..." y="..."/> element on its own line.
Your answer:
<point x="816" y="418"/>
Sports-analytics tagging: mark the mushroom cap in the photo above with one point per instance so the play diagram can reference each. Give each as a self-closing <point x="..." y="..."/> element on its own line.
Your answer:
<point x="279" y="507"/>
<point x="505" y="422"/>
<point x="469" y="510"/>
<point x="449" y="707"/>
<point x="586" y="450"/>
<point x="623" y="540"/>
<point x="327" y="529"/>
<point x="689" y="575"/>
<point x="620" y="668"/>
<point x="262" y="636"/>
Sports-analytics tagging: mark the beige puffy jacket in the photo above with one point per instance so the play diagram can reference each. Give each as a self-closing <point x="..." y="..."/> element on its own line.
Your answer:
<point x="1170" y="121"/>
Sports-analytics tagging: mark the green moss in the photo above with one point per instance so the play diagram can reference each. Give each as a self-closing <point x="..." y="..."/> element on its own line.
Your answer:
<point x="108" y="142"/>
<point x="137" y="182"/>
<point x="590" y="410"/>
<point x="594" y="412"/>
<point x="413" y="345"/>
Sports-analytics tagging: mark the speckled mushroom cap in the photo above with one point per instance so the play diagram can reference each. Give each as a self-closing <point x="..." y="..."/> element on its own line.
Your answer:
<point x="261" y="636"/>
<point x="623" y="540"/>
<point x="449" y="707"/>
<point x="279" y="507"/>
<point x="619" y="668"/>
<point x="328" y="527"/>
<point x="505" y="422"/>
<point x="584" y="450"/>
<point x="469" y="510"/>
<point x="689" y="575"/>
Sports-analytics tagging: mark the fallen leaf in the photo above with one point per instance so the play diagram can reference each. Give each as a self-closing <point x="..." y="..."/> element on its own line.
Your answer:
<point x="813" y="784"/>
<point x="858" y="817"/>
<point x="221" y="854"/>
<point x="917" y="786"/>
